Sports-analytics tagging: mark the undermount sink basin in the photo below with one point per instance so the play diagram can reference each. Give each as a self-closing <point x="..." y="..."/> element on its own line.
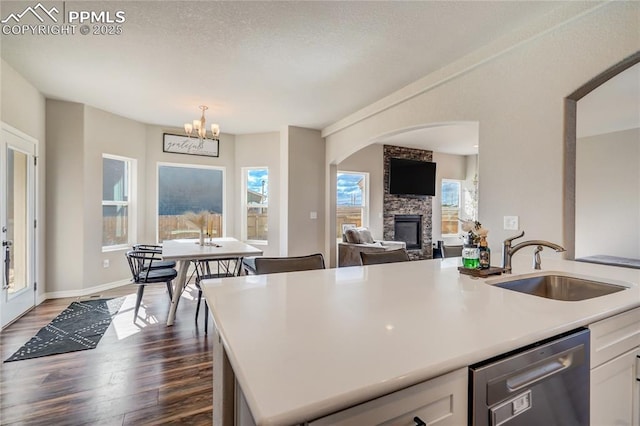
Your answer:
<point x="559" y="287"/>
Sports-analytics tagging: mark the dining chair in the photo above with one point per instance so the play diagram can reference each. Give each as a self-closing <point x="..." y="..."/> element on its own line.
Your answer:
<point x="272" y="265"/>
<point x="154" y="248"/>
<point x="143" y="272"/>
<point x="390" y="256"/>
<point x="451" y="251"/>
<point x="213" y="268"/>
<point x="249" y="265"/>
<point x="437" y="249"/>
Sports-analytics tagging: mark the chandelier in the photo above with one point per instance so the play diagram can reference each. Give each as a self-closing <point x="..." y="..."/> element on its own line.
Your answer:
<point x="199" y="129"/>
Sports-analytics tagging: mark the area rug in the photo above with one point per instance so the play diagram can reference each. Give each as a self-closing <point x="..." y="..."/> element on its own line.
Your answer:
<point x="79" y="327"/>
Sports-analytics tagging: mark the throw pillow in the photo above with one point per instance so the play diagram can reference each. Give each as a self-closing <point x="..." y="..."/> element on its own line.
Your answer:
<point x="353" y="236"/>
<point x="365" y="236"/>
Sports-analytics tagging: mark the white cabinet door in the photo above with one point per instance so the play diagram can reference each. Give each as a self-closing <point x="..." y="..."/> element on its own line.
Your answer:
<point x="613" y="336"/>
<point x="439" y="402"/>
<point x="613" y="390"/>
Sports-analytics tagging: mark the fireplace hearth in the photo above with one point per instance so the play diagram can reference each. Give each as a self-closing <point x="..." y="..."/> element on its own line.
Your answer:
<point x="408" y="228"/>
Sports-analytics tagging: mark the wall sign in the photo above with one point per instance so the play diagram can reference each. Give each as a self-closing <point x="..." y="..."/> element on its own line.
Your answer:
<point x="193" y="146"/>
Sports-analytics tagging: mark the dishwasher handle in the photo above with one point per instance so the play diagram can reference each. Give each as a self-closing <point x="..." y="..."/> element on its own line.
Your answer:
<point x="547" y="368"/>
<point x="528" y="376"/>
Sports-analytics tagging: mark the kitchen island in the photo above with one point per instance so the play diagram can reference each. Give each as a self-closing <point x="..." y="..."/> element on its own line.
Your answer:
<point x="303" y="345"/>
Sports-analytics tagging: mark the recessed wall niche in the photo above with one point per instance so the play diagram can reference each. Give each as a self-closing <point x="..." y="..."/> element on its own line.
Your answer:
<point x="402" y="206"/>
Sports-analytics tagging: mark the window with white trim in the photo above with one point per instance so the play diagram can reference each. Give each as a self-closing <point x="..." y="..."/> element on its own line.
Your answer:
<point x="352" y="200"/>
<point x="187" y="188"/>
<point x="118" y="174"/>
<point x="450" y="201"/>
<point x="255" y="196"/>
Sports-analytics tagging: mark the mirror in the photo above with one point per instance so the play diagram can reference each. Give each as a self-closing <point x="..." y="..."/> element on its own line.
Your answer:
<point x="602" y="167"/>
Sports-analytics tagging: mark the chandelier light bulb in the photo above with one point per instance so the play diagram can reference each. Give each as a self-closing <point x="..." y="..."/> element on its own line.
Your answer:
<point x="199" y="126"/>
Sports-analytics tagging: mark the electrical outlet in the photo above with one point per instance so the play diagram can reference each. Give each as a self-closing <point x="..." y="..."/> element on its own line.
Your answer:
<point x="511" y="223"/>
<point x="105" y="263"/>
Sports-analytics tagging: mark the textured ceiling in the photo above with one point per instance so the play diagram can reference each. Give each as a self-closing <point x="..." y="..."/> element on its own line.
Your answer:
<point x="257" y="65"/>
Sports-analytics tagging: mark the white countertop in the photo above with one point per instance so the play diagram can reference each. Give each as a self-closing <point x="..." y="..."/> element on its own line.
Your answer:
<point x="306" y="344"/>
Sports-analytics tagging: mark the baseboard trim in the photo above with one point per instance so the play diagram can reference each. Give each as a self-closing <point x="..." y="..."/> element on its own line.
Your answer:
<point x="83" y="291"/>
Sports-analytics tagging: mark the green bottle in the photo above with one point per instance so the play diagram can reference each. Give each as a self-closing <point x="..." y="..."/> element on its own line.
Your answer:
<point x="470" y="256"/>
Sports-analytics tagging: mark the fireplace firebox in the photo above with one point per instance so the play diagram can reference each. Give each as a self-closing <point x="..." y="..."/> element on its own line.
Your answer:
<point x="408" y="228"/>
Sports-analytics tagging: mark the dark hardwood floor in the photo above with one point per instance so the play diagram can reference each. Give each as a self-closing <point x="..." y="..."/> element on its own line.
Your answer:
<point x="140" y="373"/>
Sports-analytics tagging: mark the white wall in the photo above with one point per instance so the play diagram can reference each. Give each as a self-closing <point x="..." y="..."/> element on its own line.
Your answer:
<point x="515" y="90"/>
<point x="370" y="160"/>
<point x="608" y="194"/>
<point x="78" y="136"/>
<point x="22" y="106"/>
<point x="306" y="178"/>
<point x="261" y="150"/>
<point x="65" y="196"/>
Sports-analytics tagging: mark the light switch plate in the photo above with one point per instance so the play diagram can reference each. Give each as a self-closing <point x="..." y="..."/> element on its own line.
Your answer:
<point x="511" y="223"/>
<point x="313" y="215"/>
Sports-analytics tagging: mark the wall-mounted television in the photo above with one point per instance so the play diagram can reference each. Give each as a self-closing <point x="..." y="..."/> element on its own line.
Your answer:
<point x="412" y="177"/>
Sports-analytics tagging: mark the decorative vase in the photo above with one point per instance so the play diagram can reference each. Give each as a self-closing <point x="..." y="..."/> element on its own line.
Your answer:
<point x="201" y="237"/>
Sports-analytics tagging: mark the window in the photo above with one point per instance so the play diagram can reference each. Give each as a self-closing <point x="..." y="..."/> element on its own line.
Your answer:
<point x="352" y="195"/>
<point x="450" y="202"/>
<point x="255" y="203"/>
<point x="187" y="188"/>
<point x="117" y="211"/>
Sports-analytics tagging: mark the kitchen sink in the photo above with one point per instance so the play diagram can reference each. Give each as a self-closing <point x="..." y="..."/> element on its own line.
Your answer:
<point x="559" y="287"/>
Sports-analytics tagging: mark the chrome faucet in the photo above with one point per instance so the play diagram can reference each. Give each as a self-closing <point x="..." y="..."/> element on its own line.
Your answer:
<point x="508" y="251"/>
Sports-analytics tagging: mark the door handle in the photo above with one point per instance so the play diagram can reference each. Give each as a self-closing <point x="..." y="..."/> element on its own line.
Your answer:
<point x="7" y="262"/>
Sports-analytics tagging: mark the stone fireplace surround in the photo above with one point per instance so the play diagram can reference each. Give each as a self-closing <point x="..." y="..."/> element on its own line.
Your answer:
<point x="407" y="204"/>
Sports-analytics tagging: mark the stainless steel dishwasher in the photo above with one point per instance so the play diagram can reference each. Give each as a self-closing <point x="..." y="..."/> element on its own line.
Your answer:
<point x="543" y="384"/>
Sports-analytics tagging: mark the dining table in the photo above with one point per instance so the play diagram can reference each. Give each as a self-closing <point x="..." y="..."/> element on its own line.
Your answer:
<point x="185" y="251"/>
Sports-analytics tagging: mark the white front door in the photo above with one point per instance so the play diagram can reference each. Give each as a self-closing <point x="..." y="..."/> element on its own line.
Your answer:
<point x="17" y="224"/>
